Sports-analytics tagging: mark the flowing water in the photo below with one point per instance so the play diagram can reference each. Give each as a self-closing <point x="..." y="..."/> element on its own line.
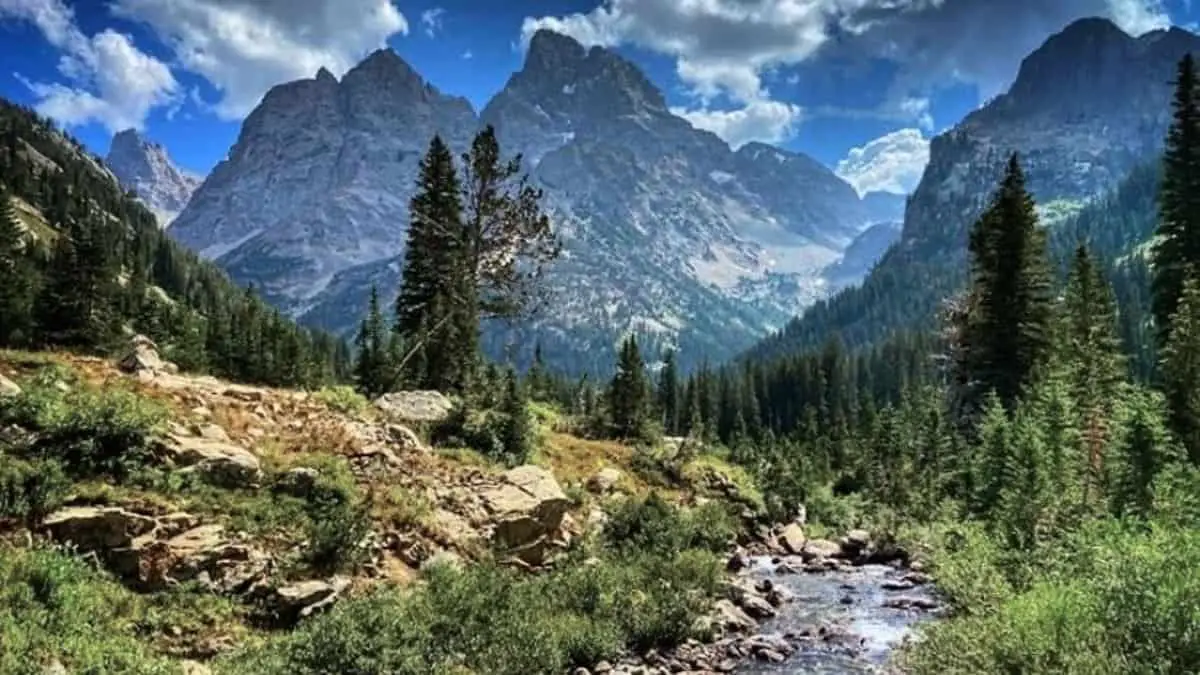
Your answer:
<point x="851" y="600"/>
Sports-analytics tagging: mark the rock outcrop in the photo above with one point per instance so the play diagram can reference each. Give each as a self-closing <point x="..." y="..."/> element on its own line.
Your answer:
<point x="528" y="509"/>
<point x="143" y="359"/>
<point x="415" y="407"/>
<point x="219" y="462"/>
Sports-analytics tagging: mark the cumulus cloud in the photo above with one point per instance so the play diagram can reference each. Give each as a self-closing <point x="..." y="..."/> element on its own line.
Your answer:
<point x="432" y="20"/>
<point x="760" y="120"/>
<point x="725" y="46"/>
<point x="890" y="163"/>
<point x="244" y="47"/>
<point x="107" y="78"/>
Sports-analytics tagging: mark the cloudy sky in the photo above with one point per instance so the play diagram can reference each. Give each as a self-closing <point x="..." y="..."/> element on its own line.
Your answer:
<point x="859" y="84"/>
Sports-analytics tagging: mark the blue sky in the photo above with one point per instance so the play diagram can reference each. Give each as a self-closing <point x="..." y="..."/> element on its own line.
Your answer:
<point x="860" y="84"/>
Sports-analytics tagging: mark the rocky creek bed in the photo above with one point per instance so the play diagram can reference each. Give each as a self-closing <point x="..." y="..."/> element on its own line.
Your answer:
<point x="847" y="621"/>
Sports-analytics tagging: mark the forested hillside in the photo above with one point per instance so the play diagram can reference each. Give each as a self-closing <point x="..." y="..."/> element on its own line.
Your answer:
<point x="83" y="265"/>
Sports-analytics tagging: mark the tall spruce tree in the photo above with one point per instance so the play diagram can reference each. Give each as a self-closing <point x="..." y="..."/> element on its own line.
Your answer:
<point x="668" y="394"/>
<point x="517" y="432"/>
<point x="373" y="367"/>
<point x="1091" y="353"/>
<point x="1181" y="368"/>
<point x="18" y="279"/>
<point x="628" y="392"/>
<point x="1177" y="244"/>
<point x="1009" y="328"/>
<point x="433" y="314"/>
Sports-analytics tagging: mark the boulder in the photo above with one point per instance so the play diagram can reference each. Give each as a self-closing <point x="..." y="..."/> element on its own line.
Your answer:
<point x="604" y="481"/>
<point x="220" y="463"/>
<point x="855" y="542"/>
<point x="8" y="387"/>
<point x="792" y="539"/>
<point x="528" y="507"/>
<point x="142" y="357"/>
<point x="92" y="528"/>
<point x="415" y="406"/>
<point x="212" y="432"/>
<point x="404" y="437"/>
<point x="204" y="554"/>
<point x="816" y="549"/>
<point x="298" y="482"/>
<point x="296" y="601"/>
<point x="730" y="618"/>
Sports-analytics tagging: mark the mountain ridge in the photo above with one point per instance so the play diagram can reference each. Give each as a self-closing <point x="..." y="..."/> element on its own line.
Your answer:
<point x="145" y="168"/>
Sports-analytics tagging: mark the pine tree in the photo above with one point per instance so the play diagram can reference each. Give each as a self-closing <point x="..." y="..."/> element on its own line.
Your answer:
<point x="628" y="393"/>
<point x="435" y="315"/>
<point x="538" y="379"/>
<point x="1095" y="366"/>
<point x="517" y="434"/>
<point x="668" y="394"/>
<point x="373" y="367"/>
<point x="18" y="280"/>
<point x="1145" y="449"/>
<point x="509" y="241"/>
<point x="1008" y="333"/>
<point x="1181" y="369"/>
<point x="1177" y="244"/>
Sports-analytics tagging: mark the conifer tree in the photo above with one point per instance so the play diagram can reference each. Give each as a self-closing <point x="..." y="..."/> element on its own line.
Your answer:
<point x="18" y="279"/>
<point x="509" y="242"/>
<point x="76" y="307"/>
<point x="372" y="367"/>
<point x="668" y="394"/>
<point x="433" y="314"/>
<point x="517" y="433"/>
<point x="628" y="393"/>
<point x="538" y="379"/>
<point x="1091" y="353"/>
<point x="1008" y="333"/>
<point x="1177" y="244"/>
<point x="1145" y="449"/>
<point x="1181" y="369"/>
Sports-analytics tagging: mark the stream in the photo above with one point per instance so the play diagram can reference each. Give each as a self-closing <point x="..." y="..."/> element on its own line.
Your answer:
<point x="820" y="600"/>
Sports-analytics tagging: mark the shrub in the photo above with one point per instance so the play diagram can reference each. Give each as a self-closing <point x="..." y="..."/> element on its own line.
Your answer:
<point x="487" y="619"/>
<point x="56" y="607"/>
<point x="499" y="436"/>
<point x="343" y="399"/>
<point x="338" y="522"/>
<point x="30" y="489"/>
<point x="652" y="525"/>
<point x="91" y="432"/>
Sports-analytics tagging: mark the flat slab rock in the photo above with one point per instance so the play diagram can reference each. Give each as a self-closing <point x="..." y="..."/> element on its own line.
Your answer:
<point x="415" y="406"/>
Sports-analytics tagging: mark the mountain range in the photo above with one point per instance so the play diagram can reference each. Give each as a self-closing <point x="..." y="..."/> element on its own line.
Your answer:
<point x="1087" y="108"/>
<point x="667" y="230"/>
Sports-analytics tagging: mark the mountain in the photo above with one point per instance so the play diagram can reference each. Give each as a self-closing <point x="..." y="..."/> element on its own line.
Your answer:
<point x="319" y="178"/>
<point x="1087" y="108"/>
<point x="667" y="231"/>
<point x="863" y="253"/>
<point x="145" y="168"/>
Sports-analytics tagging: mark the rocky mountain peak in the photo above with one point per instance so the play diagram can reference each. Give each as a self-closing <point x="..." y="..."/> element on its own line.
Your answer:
<point x="145" y="168"/>
<point x="551" y="51"/>
<point x="323" y="75"/>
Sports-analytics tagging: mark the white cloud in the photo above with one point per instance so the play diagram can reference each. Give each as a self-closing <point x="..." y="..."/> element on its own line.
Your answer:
<point x="890" y="163"/>
<point x="432" y="20"/>
<point x="725" y="46"/>
<point x="244" y="47"/>
<point x="468" y="54"/>
<point x="108" y="79"/>
<point x="761" y="120"/>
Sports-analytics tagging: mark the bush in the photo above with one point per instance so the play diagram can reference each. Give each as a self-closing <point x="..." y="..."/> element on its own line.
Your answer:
<point x="487" y="619"/>
<point x="338" y="522"/>
<point x="57" y="608"/>
<point x="90" y="432"/>
<point x="652" y="525"/>
<point x="1110" y="598"/>
<point x="29" y="490"/>
<point x="343" y="399"/>
<point x="496" y="435"/>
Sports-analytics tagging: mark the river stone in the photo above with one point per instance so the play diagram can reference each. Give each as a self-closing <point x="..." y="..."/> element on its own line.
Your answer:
<point x="792" y="539"/>
<point x="731" y="618"/>
<point x="815" y="549"/>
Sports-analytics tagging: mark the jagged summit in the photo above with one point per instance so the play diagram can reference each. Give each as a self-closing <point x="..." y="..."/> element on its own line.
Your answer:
<point x="145" y="168"/>
<point x="323" y="75"/>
